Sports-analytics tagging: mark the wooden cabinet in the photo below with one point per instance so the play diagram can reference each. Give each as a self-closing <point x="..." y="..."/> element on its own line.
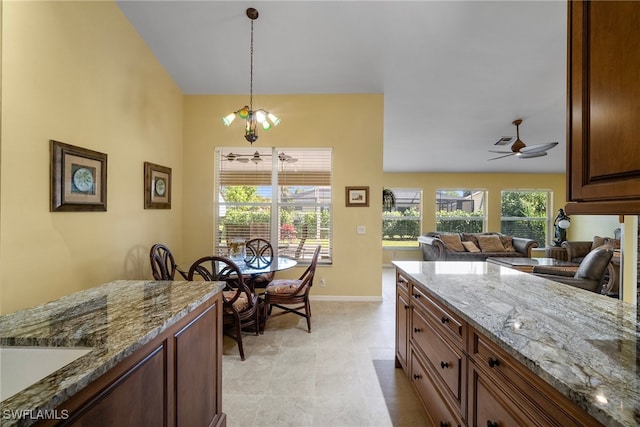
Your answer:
<point x="436" y="361"/>
<point x="402" y="321"/>
<point x="174" y="380"/>
<point x="504" y="392"/>
<point x="462" y="377"/>
<point x="603" y="130"/>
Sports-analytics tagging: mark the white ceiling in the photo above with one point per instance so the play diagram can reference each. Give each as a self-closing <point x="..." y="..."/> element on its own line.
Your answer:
<point x="454" y="74"/>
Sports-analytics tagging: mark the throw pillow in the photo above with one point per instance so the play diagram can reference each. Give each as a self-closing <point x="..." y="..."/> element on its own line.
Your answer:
<point x="452" y="242"/>
<point x="470" y="247"/>
<point x="507" y="242"/>
<point x="470" y="238"/>
<point x="490" y="244"/>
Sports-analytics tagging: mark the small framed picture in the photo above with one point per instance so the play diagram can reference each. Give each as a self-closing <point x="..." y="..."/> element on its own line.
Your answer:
<point x="78" y="179"/>
<point x="357" y="196"/>
<point x="157" y="186"/>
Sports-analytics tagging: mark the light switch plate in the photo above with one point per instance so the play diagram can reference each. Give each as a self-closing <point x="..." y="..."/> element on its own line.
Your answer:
<point x="360" y="229"/>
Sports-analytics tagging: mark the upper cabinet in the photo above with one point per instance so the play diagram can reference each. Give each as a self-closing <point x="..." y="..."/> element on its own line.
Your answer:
<point x="603" y="123"/>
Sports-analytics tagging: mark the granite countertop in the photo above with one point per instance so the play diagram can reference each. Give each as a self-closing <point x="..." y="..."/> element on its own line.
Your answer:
<point x="113" y="319"/>
<point x="585" y="345"/>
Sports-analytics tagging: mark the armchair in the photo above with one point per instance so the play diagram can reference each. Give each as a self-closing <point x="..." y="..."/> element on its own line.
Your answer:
<point x="588" y="275"/>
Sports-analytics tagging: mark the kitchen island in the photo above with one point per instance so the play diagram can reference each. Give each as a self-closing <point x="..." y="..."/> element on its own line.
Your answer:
<point x="154" y="356"/>
<point x="488" y="345"/>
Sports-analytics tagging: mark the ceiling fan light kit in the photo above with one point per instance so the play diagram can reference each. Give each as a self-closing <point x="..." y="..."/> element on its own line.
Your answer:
<point x="253" y="118"/>
<point x="519" y="148"/>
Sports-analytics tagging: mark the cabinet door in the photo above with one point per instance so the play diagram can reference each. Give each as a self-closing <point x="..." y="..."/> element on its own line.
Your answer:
<point x="603" y="146"/>
<point x="197" y="373"/>
<point x="402" y="329"/>
<point x="136" y="397"/>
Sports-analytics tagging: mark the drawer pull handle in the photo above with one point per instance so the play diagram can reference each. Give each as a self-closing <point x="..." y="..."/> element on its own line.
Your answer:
<point x="417" y="330"/>
<point x="406" y="307"/>
<point x="445" y="320"/>
<point x="444" y="365"/>
<point x="416" y="296"/>
<point x="492" y="424"/>
<point x="493" y="363"/>
<point x="417" y="376"/>
<point x="443" y="424"/>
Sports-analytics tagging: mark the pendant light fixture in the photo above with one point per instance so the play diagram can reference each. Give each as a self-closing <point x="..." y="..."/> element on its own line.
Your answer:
<point x="253" y="117"/>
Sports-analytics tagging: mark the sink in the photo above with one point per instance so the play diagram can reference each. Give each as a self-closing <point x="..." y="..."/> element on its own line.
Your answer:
<point x="21" y="367"/>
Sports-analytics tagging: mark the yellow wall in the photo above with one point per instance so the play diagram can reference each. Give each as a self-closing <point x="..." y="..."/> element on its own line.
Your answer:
<point x="77" y="72"/>
<point x="493" y="183"/>
<point x="584" y="227"/>
<point x="350" y="124"/>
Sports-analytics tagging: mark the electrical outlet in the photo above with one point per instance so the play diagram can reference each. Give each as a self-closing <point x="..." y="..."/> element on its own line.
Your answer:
<point x="323" y="283"/>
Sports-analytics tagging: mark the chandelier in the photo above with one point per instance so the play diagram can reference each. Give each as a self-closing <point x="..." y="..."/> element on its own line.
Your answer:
<point x="253" y="117"/>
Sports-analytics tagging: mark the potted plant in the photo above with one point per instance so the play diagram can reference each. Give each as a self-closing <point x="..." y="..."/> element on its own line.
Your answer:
<point x="388" y="200"/>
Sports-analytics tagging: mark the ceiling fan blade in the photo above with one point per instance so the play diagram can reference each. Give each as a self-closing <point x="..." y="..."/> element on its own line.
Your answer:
<point x="538" y="148"/>
<point x="506" y="155"/>
<point x="242" y="159"/>
<point x="501" y="152"/>
<point x="522" y="155"/>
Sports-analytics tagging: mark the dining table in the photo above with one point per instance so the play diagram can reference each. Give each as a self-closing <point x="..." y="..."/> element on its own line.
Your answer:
<point x="252" y="268"/>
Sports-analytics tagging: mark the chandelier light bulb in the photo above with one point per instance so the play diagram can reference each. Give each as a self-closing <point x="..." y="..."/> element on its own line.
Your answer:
<point x="228" y="119"/>
<point x="274" y="119"/>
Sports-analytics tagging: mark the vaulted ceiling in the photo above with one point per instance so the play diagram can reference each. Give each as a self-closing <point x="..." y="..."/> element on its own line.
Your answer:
<point x="455" y="74"/>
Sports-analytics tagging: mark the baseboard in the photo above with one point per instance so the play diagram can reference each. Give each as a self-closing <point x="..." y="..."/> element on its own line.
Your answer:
<point x="347" y="298"/>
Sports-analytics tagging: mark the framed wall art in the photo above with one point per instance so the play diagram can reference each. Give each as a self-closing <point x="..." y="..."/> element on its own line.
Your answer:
<point x="357" y="196"/>
<point x="78" y="179"/>
<point x="157" y="186"/>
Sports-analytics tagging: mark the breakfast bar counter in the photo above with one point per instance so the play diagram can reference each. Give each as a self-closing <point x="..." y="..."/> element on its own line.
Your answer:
<point x="578" y="344"/>
<point x="143" y="340"/>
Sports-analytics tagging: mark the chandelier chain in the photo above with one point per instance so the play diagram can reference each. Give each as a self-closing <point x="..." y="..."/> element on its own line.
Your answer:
<point x="251" y="70"/>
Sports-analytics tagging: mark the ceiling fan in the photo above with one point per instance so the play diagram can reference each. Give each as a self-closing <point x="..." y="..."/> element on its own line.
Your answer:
<point x="519" y="148"/>
<point x="257" y="157"/>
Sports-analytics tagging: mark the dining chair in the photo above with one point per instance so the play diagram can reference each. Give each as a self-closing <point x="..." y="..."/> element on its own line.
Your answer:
<point x="259" y="255"/>
<point x="284" y="293"/>
<point x="163" y="265"/>
<point x="241" y="307"/>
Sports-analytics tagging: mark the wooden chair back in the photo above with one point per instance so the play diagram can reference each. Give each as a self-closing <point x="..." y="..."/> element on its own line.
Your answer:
<point x="163" y="265"/>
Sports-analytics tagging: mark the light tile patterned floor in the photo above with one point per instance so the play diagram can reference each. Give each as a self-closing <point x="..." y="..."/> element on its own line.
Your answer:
<point x="342" y="374"/>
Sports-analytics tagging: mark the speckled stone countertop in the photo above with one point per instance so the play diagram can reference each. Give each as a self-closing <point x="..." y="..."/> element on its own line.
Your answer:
<point x="114" y="319"/>
<point x="585" y="345"/>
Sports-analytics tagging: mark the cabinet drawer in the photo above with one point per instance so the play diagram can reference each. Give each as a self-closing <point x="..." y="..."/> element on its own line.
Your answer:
<point x="449" y="323"/>
<point x="490" y="406"/>
<point x="543" y="403"/>
<point x="441" y="414"/>
<point x="444" y="358"/>
<point x="402" y="283"/>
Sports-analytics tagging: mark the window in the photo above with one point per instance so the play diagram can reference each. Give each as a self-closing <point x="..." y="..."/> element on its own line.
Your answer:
<point x="461" y="210"/>
<point x="401" y="223"/>
<point x="280" y="195"/>
<point x="525" y="213"/>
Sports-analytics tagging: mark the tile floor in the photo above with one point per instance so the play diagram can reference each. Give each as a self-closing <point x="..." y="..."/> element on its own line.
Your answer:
<point x="342" y="374"/>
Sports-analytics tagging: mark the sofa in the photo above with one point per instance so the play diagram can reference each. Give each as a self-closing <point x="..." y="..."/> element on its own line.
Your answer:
<point x="473" y="246"/>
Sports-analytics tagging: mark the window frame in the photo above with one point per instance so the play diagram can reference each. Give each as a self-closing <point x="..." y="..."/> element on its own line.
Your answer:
<point x="420" y="206"/>
<point x="275" y="180"/>
<point x="483" y="221"/>
<point x="548" y="221"/>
